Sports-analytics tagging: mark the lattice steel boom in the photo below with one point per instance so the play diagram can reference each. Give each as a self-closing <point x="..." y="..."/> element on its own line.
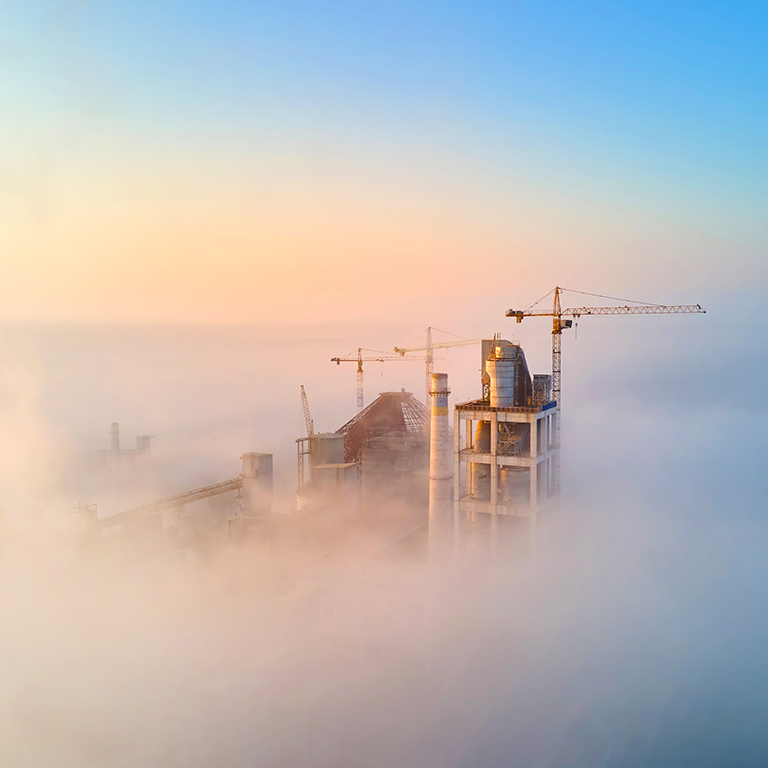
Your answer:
<point x="310" y="425"/>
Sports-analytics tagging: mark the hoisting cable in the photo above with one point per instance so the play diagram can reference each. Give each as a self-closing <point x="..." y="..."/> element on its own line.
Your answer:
<point x="539" y="300"/>
<point x="612" y="298"/>
<point x="455" y="335"/>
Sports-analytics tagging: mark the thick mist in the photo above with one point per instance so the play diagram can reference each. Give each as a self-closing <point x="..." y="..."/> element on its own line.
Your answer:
<point x="634" y="637"/>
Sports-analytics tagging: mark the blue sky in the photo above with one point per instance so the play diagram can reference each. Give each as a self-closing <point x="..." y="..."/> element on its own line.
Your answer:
<point x="629" y="117"/>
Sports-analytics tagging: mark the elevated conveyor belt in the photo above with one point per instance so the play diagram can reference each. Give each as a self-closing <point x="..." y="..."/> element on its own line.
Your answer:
<point x="169" y="502"/>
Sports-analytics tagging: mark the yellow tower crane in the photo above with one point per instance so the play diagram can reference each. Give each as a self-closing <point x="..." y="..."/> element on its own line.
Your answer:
<point x="303" y="443"/>
<point x="559" y="324"/>
<point x="380" y="357"/>
<point x="429" y="357"/>
<point x="308" y="423"/>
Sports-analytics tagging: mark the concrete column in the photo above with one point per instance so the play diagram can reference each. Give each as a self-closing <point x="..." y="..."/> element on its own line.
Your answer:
<point x="440" y="469"/>
<point x="115" y="478"/>
<point x="534" y="504"/>
<point x="534" y="467"/>
<point x="457" y="477"/>
<point x="494" y="469"/>
<point x="556" y="465"/>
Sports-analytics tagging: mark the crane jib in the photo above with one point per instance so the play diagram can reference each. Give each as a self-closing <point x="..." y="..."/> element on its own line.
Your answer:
<point x="660" y="309"/>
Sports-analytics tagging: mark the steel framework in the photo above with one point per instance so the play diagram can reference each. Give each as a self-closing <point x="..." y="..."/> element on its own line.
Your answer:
<point x="391" y="413"/>
<point x="177" y="500"/>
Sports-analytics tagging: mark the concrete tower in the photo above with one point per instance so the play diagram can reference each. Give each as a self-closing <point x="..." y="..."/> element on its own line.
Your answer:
<point x="440" y="468"/>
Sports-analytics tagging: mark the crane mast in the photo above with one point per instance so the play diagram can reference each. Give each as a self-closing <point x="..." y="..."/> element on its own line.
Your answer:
<point x="310" y="425"/>
<point x="303" y="443"/>
<point x="429" y="358"/>
<point x="559" y="324"/>
<point x="557" y="331"/>
<point x="359" y="379"/>
<point x="430" y="365"/>
<point x="360" y="359"/>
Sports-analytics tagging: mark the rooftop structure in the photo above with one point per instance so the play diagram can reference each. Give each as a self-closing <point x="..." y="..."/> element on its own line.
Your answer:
<point x="392" y="416"/>
<point x="388" y="439"/>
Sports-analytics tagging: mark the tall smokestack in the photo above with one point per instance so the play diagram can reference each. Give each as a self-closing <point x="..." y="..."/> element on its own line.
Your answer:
<point x="440" y="469"/>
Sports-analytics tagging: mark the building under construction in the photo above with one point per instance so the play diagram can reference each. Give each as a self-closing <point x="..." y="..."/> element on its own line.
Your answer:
<point x="389" y="439"/>
<point x="497" y="468"/>
<point x="492" y="470"/>
<point x="505" y="446"/>
<point x="383" y="449"/>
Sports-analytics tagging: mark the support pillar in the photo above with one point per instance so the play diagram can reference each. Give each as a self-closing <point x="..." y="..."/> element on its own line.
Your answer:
<point x="494" y="470"/>
<point x="534" y="487"/>
<point x="457" y="479"/>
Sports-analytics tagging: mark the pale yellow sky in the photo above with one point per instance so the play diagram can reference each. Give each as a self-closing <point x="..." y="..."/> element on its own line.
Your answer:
<point x="183" y="246"/>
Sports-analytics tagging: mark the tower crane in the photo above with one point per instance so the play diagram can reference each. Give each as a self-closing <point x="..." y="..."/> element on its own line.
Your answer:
<point x="559" y="325"/>
<point x="303" y="443"/>
<point x="429" y="357"/>
<point x="310" y="425"/>
<point x="380" y="357"/>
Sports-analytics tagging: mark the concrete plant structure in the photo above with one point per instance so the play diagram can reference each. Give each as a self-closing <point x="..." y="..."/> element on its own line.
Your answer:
<point x="104" y="458"/>
<point x="253" y="490"/>
<point x="388" y="440"/>
<point x="507" y="465"/>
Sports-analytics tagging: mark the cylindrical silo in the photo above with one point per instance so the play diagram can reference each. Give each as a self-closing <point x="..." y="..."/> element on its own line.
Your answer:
<point x="480" y="474"/>
<point x="502" y="370"/>
<point x="516" y="485"/>
<point x="480" y="482"/>
<point x="440" y="468"/>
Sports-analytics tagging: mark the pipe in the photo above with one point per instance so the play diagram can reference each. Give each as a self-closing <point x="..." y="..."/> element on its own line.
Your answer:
<point x="480" y="474"/>
<point x="502" y="370"/>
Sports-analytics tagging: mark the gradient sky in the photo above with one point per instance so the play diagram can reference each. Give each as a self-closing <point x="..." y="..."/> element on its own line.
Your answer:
<point x="373" y="168"/>
<point x="298" y="161"/>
